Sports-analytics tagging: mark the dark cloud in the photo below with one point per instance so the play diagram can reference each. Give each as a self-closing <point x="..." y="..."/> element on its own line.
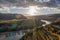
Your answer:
<point x="51" y="3"/>
<point x="23" y="3"/>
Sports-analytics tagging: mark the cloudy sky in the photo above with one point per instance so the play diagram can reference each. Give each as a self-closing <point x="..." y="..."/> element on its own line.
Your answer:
<point x="19" y="6"/>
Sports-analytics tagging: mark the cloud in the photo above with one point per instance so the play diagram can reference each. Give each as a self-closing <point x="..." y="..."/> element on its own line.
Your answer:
<point x="19" y="10"/>
<point x="4" y="9"/>
<point x="49" y="10"/>
<point x="24" y="3"/>
<point x="19" y="6"/>
<point x="42" y="1"/>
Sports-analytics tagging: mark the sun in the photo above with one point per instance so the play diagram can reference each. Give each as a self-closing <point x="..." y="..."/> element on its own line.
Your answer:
<point x="32" y="10"/>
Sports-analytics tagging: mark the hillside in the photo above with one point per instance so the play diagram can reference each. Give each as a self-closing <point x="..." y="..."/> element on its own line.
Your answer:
<point x="11" y="16"/>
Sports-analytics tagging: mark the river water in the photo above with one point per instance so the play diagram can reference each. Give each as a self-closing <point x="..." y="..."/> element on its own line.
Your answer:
<point x="12" y="36"/>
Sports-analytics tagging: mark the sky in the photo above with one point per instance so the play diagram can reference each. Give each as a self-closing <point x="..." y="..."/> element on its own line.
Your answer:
<point x="20" y="6"/>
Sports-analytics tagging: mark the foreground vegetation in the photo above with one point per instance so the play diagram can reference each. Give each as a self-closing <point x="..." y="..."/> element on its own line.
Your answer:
<point x="33" y="29"/>
<point x="48" y="32"/>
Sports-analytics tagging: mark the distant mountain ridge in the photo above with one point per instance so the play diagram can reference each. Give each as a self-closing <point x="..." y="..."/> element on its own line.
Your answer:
<point x="11" y="16"/>
<point x="50" y="17"/>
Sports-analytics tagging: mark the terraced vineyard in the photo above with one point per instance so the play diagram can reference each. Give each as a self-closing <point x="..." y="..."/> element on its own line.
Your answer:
<point x="31" y="29"/>
<point x="48" y="32"/>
